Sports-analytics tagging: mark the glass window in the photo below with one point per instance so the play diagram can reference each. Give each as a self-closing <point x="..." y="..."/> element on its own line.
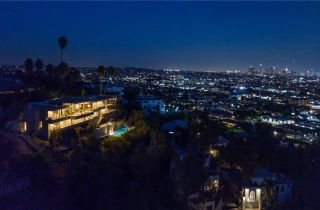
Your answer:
<point x="252" y="196"/>
<point x="282" y="188"/>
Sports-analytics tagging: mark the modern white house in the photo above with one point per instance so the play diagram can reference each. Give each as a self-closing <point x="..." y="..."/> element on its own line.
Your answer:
<point x="254" y="191"/>
<point x="252" y="198"/>
<point x="282" y="189"/>
<point x="62" y="113"/>
<point x="151" y="103"/>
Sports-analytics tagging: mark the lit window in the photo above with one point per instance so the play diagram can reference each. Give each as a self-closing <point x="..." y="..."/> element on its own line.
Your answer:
<point x="252" y="196"/>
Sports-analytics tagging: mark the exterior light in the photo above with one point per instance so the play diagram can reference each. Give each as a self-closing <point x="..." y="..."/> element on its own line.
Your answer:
<point x="211" y="151"/>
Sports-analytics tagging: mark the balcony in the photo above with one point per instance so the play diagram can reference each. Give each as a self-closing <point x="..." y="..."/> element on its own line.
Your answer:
<point x="98" y="108"/>
<point x="53" y="120"/>
<point x="80" y="115"/>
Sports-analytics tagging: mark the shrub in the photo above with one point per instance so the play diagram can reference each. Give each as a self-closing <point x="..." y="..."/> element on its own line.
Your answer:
<point x="55" y="138"/>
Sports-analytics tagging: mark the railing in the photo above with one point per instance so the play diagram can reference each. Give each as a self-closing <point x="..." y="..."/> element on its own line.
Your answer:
<point x="56" y="119"/>
<point x="81" y="115"/>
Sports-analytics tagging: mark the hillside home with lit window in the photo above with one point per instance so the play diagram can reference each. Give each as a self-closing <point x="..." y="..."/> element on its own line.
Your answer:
<point x="254" y="191"/>
<point x="151" y="103"/>
<point x="63" y="114"/>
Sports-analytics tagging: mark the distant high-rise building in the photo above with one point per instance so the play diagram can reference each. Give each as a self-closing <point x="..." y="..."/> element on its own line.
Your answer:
<point x="252" y="70"/>
<point x="312" y="72"/>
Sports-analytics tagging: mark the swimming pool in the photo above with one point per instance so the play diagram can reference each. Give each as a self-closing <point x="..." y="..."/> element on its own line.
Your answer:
<point x="120" y="132"/>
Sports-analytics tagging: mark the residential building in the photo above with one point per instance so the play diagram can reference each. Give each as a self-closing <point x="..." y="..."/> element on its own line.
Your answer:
<point x="298" y="101"/>
<point x="254" y="191"/>
<point x="277" y="120"/>
<point x="62" y="113"/>
<point x="283" y="187"/>
<point x="222" y="142"/>
<point x="151" y="103"/>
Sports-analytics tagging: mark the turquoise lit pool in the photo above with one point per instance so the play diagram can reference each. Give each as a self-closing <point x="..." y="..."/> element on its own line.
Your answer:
<point x="120" y="132"/>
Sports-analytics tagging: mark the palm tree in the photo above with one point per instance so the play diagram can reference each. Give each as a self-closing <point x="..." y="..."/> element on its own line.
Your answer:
<point x="39" y="64"/>
<point x="50" y="69"/>
<point x="101" y="72"/>
<point x="63" y="42"/>
<point x="39" y="73"/>
<point x="72" y="77"/>
<point x="28" y="63"/>
<point x="62" y="70"/>
<point x="110" y="71"/>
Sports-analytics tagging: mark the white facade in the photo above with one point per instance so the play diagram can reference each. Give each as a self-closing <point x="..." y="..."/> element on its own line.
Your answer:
<point x="151" y="103"/>
<point x="252" y="198"/>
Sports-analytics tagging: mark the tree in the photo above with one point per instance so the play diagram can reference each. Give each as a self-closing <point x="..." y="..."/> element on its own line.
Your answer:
<point x="84" y="92"/>
<point x="62" y="70"/>
<point x="63" y="42"/>
<point x="193" y="175"/>
<point x="79" y="130"/>
<point x="72" y="77"/>
<point x="39" y="73"/>
<point x="269" y="191"/>
<point x="55" y="138"/>
<point x="28" y="63"/>
<point x="110" y="71"/>
<point x="101" y="72"/>
<point x="39" y="64"/>
<point x="50" y="70"/>
<point x="156" y="137"/>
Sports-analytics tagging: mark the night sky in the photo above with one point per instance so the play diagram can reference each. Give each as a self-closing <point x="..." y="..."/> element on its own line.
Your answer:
<point x="180" y="35"/>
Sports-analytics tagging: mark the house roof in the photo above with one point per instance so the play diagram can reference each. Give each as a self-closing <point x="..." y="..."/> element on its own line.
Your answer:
<point x="223" y="140"/>
<point x="79" y="99"/>
<point x="171" y="126"/>
<point x="148" y="97"/>
<point x="262" y="172"/>
<point x="282" y="180"/>
<point x="43" y="106"/>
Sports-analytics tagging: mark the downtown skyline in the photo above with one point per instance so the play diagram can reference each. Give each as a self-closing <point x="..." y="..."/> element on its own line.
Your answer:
<point x="211" y="36"/>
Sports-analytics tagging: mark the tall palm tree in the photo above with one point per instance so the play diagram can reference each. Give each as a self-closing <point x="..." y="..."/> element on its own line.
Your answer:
<point x="39" y="73"/>
<point x="63" y="42"/>
<point x="101" y="72"/>
<point x="110" y="72"/>
<point x="28" y="63"/>
<point x="39" y="64"/>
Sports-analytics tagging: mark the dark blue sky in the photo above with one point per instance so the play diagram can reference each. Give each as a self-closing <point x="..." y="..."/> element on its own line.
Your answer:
<point x="182" y="35"/>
